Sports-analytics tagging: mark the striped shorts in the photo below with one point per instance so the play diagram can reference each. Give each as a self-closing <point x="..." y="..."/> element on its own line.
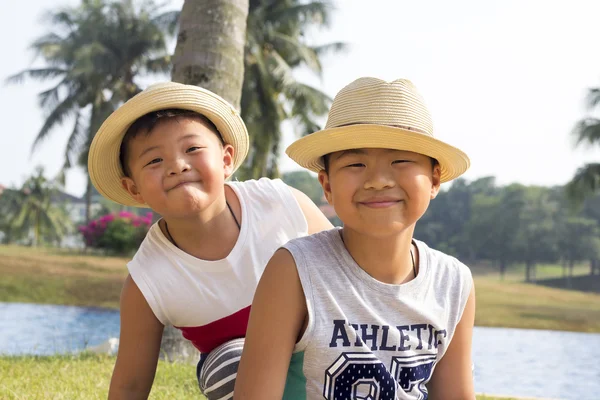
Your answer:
<point x="217" y="370"/>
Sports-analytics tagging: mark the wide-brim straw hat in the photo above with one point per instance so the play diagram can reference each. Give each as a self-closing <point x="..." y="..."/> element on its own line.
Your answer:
<point x="373" y="113"/>
<point x="104" y="165"/>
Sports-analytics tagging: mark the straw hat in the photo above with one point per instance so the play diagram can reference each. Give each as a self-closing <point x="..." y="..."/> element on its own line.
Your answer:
<point x="372" y="113"/>
<point x="103" y="161"/>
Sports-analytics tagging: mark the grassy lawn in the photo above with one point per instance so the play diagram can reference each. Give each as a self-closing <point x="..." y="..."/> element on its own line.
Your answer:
<point x="87" y="377"/>
<point x="84" y="377"/>
<point x="519" y="305"/>
<point x="55" y="277"/>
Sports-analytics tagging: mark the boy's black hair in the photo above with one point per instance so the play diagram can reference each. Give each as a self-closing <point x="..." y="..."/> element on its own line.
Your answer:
<point x="148" y="122"/>
<point x="434" y="162"/>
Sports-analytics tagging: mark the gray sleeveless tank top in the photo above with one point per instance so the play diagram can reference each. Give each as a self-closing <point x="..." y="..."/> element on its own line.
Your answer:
<point x="367" y="339"/>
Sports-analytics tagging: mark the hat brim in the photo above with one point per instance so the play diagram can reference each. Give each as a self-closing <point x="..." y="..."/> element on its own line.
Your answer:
<point x="103" y="161"/>
<point x="308" y="151"/>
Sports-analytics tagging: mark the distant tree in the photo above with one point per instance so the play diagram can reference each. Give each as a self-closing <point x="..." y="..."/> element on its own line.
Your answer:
<point x="10" y="204"/>
<point x="306" y="183"/>
<point x="37" y="216"/>
<point x="92" y="55"/>
<point x="586" y="133"/>
<point x="537" y="239"/>
<point x="578" y="241"/>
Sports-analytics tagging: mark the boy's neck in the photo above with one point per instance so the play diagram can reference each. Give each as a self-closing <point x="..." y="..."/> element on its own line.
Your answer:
<point x="208" y="236"/>
<point x="386" y="259"/>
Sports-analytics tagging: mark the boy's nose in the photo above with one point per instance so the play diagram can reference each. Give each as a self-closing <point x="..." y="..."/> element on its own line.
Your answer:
<point x="179" y="166"/>
<point x="379" y="179"/>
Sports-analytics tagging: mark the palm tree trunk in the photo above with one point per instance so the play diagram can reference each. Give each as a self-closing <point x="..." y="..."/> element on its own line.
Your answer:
<point x="502" y="269"/>
<point x="88" y="200"/>
<point x="210" y="46"/>
<point x="36" y="230"/>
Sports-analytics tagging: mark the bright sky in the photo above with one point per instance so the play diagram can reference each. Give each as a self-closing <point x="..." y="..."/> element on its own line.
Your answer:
<point x="505" y="80"/>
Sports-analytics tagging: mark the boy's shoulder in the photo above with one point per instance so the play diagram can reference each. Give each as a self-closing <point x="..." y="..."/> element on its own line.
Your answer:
<point x="259" y="187"/>
<point x="310" y="243"/>
<point x="260" y="182"/>
<point x="268" y="194"/>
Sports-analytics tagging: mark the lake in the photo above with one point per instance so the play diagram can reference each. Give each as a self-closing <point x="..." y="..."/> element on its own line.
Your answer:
<point x="518" y="362"/>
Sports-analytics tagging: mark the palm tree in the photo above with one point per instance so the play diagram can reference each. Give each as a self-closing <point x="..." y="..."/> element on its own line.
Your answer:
<point x="275" y="47"/>
<point x="206" y="55"/>
<point x="10" y="204"/>
<point x="37" y="215"/>
<point x="92" y="55"/>
<point x="210" y="47"/>
<point x="586" y="132"/>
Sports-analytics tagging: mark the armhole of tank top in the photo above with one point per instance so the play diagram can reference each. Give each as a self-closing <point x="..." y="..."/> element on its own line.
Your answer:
<point x="466" y="283"/>
<point x="307" y="289"/>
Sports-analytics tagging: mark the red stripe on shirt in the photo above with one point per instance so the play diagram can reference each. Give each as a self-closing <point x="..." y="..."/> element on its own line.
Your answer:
<point x="207" y="337"/>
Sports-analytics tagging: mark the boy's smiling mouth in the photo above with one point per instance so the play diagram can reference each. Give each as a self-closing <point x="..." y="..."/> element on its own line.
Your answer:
<point x="380" y="202"/>
<point x="181" y="184"/>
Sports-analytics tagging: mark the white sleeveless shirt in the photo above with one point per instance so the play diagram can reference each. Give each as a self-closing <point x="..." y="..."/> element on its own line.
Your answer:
<point x="209" y="301"/>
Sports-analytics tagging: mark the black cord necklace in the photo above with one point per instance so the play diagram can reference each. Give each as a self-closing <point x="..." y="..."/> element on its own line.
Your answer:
<point x="232" y="214"/>
<point x="412" y="257"/>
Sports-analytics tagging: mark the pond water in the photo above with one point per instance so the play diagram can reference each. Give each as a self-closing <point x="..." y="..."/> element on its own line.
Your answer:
<point x="518" y="362"/>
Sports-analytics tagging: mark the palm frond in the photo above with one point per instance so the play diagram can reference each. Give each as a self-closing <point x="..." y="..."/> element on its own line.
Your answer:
<point x="36" y="74"/>
<point x="305" y="53"/>
<point x="158" y="65"/>
<point x="49" y="39"/>
<point x="313" y="13"/>
<point x="64" y="18"/>
<point x="592" y="98"/>
<point x="585" y="182"/>
<point x="168" y="21"/>
<point x="63" y="110"/>
<point x="587" y="131"/>
<point x="49" y="99"/>
<point x="331" y="48"/>
<point x="75" y="142"/>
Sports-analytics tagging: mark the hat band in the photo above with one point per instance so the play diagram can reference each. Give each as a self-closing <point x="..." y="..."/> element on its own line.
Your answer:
<point x="405" y="127"/>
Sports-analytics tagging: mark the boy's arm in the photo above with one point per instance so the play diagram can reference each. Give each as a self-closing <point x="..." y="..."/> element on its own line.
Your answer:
<point x="317" y="221"/>
<point x="453" y="376"/>
<point x="276" y="320"/>
<point x="139" y="346"/>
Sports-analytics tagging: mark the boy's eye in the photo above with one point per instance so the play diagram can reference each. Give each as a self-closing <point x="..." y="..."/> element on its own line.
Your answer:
<point x="155" y="161"/>
<point x="356" y="165"/>
<point x="400" y="161"/>
<point x="193" y="148"/>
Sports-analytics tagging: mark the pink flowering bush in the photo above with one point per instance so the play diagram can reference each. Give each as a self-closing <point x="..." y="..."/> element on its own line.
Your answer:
<point x="119" y="233"/>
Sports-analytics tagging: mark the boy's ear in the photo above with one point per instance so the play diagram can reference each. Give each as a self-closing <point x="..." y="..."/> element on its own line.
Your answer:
<point x="129" y="185"/>
<point x="324" y="181"/>
<point x="228" y="156"/>
<point x="435" y="181"/>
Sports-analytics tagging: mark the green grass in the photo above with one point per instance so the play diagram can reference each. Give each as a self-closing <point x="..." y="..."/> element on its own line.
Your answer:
<point x="84" y="376"/>
<point x="52" y="276"/>
<point x="87" y="377"/>
<point x="516" y="273"/>
<point x="520" y="305"/>
<point x="59" y="277"/>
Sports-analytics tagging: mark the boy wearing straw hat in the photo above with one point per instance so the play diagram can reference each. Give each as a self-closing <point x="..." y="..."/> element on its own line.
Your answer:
<point x="366" y="311"/>
<point x="171" y="148"/>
